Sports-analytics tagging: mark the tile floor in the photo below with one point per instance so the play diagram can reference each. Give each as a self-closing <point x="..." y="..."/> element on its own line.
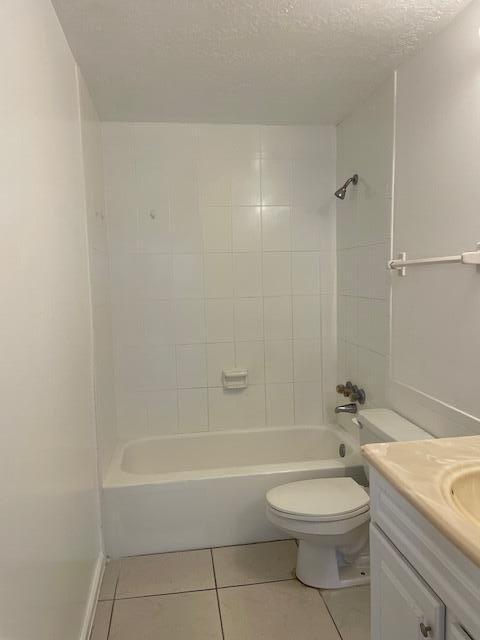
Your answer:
<point x="247" y="592"/>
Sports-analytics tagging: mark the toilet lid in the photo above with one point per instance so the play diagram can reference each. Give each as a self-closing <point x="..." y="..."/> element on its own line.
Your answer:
<point x="325" y="497"/>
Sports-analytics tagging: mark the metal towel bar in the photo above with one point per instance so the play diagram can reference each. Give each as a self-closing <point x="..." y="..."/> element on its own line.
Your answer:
<point x="400" y="264"/>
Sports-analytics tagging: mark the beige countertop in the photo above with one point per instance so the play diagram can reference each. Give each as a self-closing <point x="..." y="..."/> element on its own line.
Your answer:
<point x="423" y="472"/>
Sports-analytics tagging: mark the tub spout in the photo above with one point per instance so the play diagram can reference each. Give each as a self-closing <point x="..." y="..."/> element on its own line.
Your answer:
<point x="347" y="408"/>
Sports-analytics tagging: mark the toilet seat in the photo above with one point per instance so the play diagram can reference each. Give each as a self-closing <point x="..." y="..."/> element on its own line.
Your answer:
<point x="320" y="500"/>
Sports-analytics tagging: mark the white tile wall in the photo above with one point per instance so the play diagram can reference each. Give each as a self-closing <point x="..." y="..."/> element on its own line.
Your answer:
<point x="280" y="404"/>
<point x="278" y="318"/>
<point x="222" y="241"/>
<point x="365" y="146"/>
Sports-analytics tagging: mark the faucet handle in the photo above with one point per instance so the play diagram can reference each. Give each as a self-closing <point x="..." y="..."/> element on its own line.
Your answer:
<point x="347" y="392"/>
<point x="358" y="395"/>
<point x="351" y="391"/>
<point x="346" y="389"/>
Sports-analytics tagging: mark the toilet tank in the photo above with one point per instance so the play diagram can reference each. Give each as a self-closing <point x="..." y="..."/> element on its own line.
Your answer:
<point x="384" y="425"/>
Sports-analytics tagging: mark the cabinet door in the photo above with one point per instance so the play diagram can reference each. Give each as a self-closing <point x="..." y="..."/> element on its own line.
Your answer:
<point x="455" y="631"/>
<point x="403" y="605"/>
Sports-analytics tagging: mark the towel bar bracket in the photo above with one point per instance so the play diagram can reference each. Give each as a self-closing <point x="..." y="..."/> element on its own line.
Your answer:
<point x="469" y="257"/>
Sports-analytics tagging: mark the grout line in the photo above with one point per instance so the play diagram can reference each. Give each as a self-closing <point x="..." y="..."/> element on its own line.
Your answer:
<point x="117" y="579"/>
<point x="110" y="621"/>
<point x="292" y="300"/>
<point x="205" y="322"/>
<point x="160" y="595"/>
<point x="265" y="393"/>
<point x="216" y="588"/>
<point x="155" y="252"/>
<point x="225" y="546"/>
<point x="252" y="584"/>
<point x="177" y="395"/>
<point x="322" y="342"/>
<point x="330" y="614"/>
<point x="164" y="553"/>
<point x="249" y="544"/>
<point x="216" y="594"/>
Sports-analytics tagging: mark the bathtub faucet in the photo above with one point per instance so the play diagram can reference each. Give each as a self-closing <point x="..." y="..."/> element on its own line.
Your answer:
<point x="351" y="407"/>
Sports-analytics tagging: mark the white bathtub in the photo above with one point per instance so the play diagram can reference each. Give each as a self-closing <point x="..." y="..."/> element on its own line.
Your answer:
<point x="208" y="489"/>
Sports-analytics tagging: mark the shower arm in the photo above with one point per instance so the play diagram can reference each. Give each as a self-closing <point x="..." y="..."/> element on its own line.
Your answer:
<point x="353" y="180"/>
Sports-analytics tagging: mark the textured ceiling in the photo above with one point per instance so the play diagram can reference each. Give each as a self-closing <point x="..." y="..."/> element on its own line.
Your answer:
<point x="261" y="61"/>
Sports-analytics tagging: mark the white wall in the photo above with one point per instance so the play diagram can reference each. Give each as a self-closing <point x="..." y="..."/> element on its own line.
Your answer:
<point x="222" y="242"/>
<point x="99" y="277"/>
<point x="365" y="146"/>
<point x="49" y="533"/>
<point x="431" y="377"/>
<point x="436" y="309"/>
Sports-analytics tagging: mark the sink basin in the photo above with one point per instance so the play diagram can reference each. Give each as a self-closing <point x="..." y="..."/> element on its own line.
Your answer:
<point x="465" y="493"/>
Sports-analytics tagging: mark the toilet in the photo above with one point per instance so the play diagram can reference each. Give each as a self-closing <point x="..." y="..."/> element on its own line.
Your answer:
<point x="330" y="516"/>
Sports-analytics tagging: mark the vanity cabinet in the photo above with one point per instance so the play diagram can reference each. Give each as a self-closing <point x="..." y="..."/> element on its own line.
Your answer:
<point x="422" y="585"/>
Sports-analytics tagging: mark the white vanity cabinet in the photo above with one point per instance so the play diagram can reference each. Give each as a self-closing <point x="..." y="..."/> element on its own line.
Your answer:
<point x="423" y="587"/>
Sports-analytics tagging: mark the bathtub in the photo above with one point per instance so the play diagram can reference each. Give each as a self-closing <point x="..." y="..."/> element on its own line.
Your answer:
<point x="172" y="493"/>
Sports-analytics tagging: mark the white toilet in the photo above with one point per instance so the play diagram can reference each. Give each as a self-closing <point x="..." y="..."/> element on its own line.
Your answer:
<point x="330" y="516"/>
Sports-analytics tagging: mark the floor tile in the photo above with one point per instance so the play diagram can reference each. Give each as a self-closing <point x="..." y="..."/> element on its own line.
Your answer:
<point x="251" y="563"/>
<point x="165" y="573"/>
<point x="181" y="616"/>
<point x="101" y="622"/>
<point x="275" y="611"/>
<point x="350" y="608"/>
<point x="109" y="582"/>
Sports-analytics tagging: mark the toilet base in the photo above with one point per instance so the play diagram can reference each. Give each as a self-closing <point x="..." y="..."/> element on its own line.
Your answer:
<point x="320" y="567"/>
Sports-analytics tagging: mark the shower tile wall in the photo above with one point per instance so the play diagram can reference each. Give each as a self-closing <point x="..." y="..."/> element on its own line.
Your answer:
<point x="365" y="146"/>
<point x="222" y="243"/>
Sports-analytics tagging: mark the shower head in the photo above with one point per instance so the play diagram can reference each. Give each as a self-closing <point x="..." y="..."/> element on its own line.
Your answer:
<point x="342" y="192"/>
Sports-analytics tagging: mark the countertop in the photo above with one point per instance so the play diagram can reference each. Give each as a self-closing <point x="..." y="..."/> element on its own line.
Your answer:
<point x="421" y="471"/>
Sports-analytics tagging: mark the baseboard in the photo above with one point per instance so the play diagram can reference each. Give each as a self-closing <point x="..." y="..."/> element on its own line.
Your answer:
<point x="93" y="597"/>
